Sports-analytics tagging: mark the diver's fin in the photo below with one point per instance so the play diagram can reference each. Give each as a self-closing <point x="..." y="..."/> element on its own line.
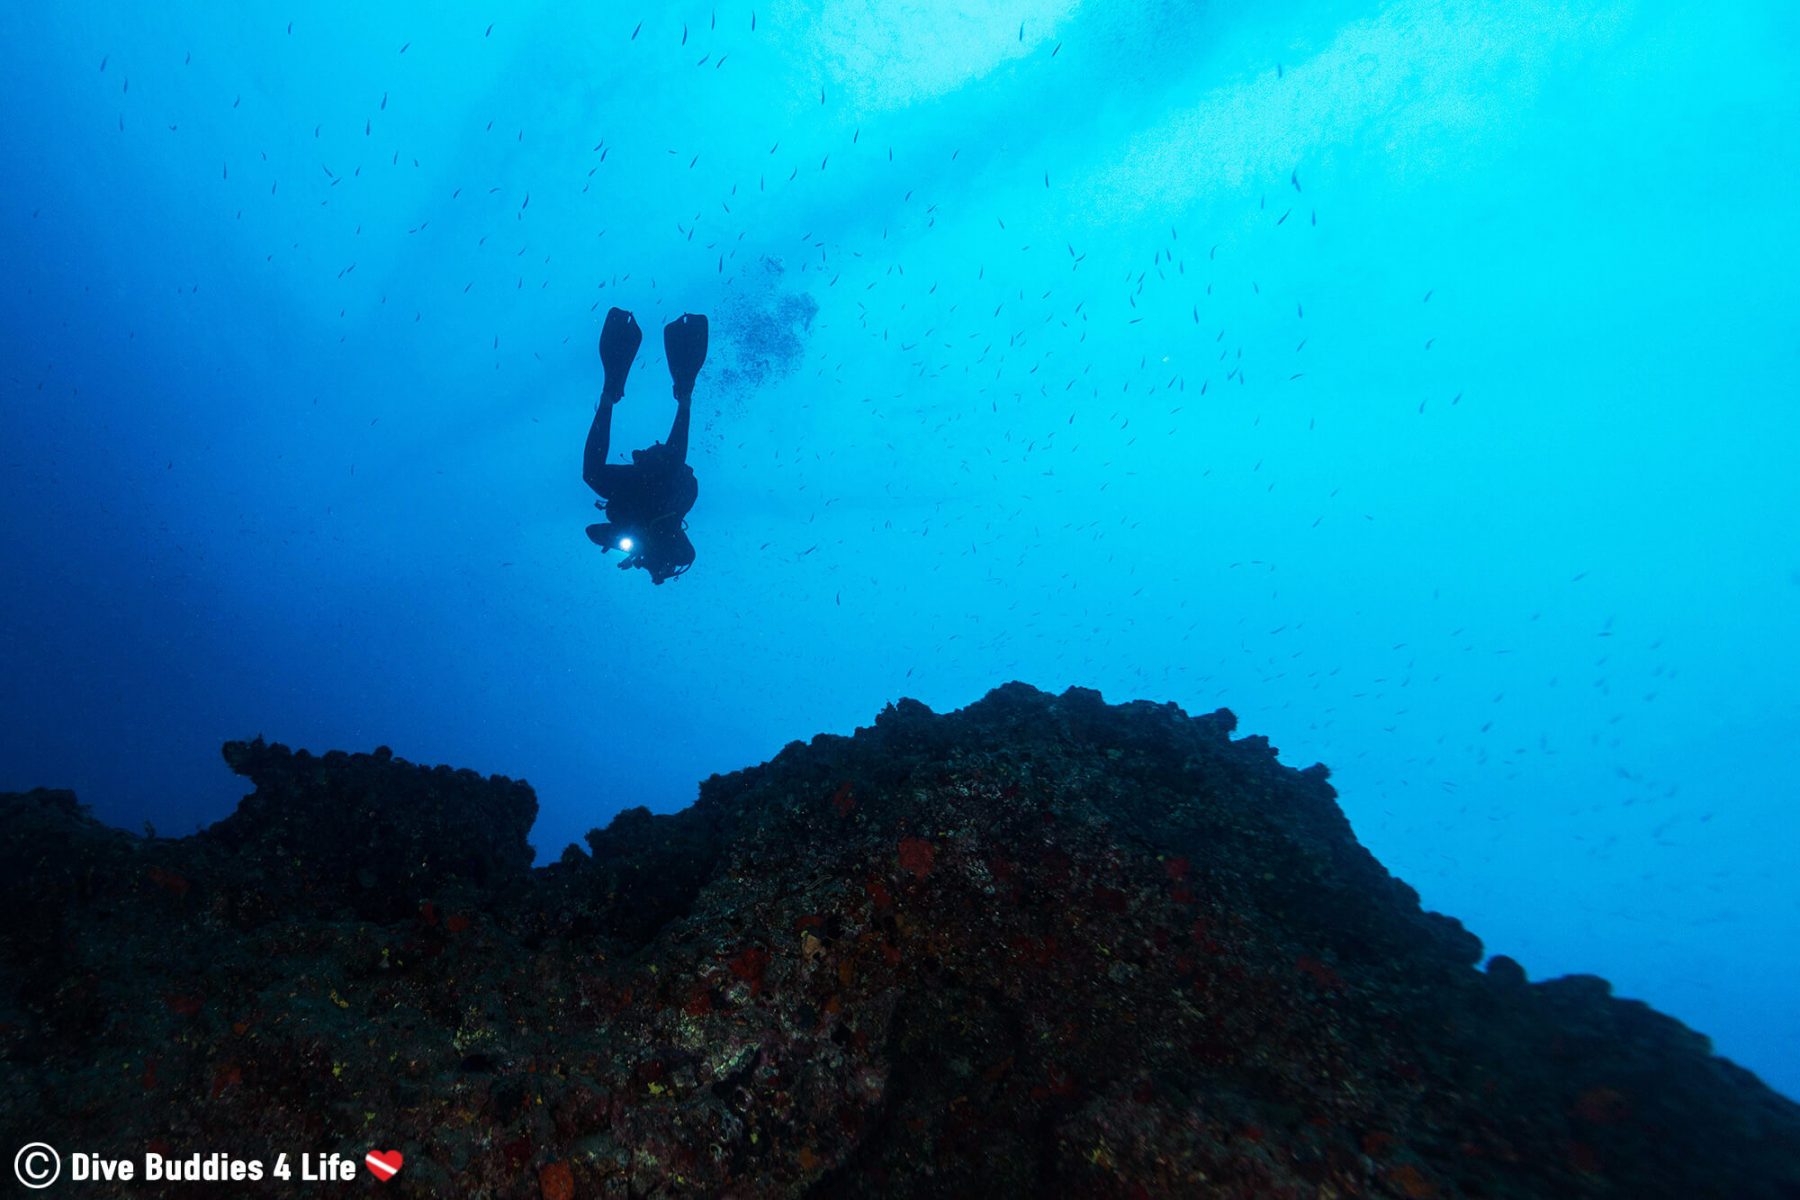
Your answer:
<point x="601" y="536"/>
<point x="620" y="338"/>
<point x="684" y="341"/>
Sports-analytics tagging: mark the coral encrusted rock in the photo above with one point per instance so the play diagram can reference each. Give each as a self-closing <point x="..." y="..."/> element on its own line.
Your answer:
<point x="1041" y="946"/>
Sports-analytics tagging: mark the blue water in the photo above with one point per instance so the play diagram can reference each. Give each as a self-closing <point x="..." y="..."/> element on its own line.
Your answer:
<point x="1418" y="380"/>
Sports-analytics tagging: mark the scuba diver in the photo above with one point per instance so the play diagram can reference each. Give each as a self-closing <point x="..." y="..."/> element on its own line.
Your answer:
<point x="645" y="502"/>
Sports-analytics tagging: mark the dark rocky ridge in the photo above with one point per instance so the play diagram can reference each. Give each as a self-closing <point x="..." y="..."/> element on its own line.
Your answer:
<point x="1041" y="946"/>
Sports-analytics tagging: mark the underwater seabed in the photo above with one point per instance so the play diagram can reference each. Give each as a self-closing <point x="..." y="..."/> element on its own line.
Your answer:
<point x="1039" y="946"/>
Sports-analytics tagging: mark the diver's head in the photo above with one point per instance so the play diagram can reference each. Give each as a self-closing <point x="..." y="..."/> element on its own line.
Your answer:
<point x="675" y="558"/>
<point x="665" y="555"/>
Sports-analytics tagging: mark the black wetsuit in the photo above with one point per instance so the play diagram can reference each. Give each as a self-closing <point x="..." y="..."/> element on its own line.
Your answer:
<point x="648" y="499"/>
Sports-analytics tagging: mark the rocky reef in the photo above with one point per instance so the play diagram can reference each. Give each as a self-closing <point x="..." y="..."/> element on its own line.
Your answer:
<point x="1042" y="946"/>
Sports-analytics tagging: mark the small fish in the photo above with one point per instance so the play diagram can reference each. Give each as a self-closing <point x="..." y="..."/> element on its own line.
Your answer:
<point x="684" y="34"/>
<point x="403" y="48"/>
<point x="1295" y="179"/>
<point x="1021" y="31"/>
<point x="1058" y="47"/>
<point x="634" y="32"/>
<point x="1428" y="295"/>
<point x="384" y="97"/>
<point x="104" y="58"/>
<point x="753" y="20"/>
<point x="490" y="29"/>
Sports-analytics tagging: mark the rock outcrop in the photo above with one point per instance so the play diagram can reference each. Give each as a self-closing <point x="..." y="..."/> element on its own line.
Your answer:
<point x="1041" y="946"/>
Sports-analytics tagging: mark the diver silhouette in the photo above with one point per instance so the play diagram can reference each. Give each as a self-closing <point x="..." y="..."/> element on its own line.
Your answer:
<point x="645" y="502"/>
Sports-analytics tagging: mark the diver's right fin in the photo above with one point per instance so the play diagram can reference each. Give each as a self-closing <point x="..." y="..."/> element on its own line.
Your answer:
<point x="620" y="338"/>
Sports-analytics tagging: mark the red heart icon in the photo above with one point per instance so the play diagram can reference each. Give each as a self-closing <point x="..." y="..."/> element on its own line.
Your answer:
<point x="384" y="1164"/>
